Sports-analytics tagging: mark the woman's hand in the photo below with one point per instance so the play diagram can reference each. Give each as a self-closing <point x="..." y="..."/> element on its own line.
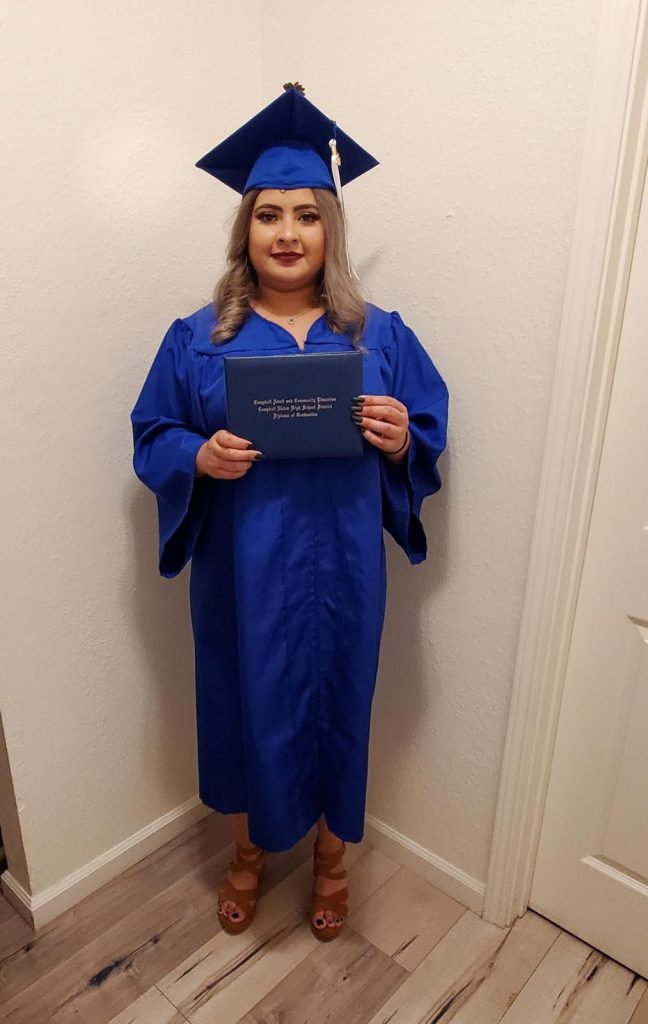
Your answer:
<point x="385" y="423"/>
<point x="225" y="456"/>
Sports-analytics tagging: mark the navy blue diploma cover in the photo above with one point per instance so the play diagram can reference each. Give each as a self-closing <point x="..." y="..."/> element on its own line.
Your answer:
<point x="296" y="406"/>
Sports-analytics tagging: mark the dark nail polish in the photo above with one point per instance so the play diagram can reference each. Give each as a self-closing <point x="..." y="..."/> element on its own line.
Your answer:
<point x="259" y="455"/>
<point x="249" y="445"/>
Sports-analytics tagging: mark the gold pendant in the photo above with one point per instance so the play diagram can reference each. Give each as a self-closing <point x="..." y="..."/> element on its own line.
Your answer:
<point x="291" y="319"/>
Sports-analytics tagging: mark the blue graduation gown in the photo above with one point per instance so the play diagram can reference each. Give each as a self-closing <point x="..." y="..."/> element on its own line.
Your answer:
<point x="288" y="583"/>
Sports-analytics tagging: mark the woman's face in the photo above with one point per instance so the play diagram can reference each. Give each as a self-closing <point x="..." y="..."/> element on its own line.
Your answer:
<point x="286" y="239"/>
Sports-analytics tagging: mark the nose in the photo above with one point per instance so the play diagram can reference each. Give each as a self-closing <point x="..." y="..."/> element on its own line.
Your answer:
<point x="287" y="231"/>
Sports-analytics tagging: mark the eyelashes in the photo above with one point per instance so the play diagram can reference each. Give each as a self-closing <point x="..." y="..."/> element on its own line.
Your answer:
<point x="266" y="217"/>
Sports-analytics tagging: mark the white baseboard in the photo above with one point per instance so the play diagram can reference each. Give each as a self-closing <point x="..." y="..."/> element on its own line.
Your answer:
<point x="444" y="876"/>
<point x="42" y="907"/>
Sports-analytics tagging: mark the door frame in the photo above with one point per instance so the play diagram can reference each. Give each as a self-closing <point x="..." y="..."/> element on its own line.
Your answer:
<point x="614" y="159"/>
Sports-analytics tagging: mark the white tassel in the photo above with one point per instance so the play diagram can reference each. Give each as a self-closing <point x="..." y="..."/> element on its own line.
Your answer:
<point x="335" y="171"/>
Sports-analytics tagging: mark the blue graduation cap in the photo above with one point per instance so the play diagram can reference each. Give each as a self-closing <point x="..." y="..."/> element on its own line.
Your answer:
<point x="289" y="144"/>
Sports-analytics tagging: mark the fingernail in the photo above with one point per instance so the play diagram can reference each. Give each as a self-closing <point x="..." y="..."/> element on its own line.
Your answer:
<point x="259" y="455"/>
<point x="249" y="445"/>
<point x="356" y="419"/>
<point x="357" y="405"/>
<point x="359" y="398"/>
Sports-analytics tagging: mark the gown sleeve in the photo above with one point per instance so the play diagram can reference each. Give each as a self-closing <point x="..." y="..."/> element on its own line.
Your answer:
<point x="417" y="383"/>
<point x="165" y="447"/>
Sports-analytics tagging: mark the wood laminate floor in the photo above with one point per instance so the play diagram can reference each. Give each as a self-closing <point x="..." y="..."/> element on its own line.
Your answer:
<point x="147" y="949"/>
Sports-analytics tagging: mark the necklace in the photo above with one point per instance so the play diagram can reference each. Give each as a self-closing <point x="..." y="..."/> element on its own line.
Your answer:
<point x="290" y="317"/>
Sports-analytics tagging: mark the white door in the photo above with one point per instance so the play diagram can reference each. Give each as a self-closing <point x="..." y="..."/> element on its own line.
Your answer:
<point x="591" y="873"/>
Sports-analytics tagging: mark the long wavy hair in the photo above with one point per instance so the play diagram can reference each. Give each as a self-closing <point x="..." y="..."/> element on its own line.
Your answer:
<point x="335" y="289"/>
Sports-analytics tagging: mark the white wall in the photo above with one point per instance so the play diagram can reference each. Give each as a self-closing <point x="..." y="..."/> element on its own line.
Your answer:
<point x="110" y="232"/>
<point x="477" y="114"/>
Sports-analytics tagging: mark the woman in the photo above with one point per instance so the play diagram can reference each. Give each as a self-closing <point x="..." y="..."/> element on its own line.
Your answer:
<point x="288" y="562"/>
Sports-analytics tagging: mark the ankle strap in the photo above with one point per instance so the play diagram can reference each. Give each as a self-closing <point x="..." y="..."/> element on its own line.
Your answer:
<point x="254" y="864"/>
<point x="329" y="855"/>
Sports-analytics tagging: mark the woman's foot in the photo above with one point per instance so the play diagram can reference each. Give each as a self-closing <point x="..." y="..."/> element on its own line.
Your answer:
<point x="240" y="879"/>
<point x="328" y="916"/>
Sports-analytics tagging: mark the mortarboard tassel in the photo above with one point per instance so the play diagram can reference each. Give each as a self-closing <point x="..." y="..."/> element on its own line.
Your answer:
<point x="335" y="171"/>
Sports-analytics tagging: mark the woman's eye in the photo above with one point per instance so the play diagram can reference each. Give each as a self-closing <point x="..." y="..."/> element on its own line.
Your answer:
<point x="267" y="217"/>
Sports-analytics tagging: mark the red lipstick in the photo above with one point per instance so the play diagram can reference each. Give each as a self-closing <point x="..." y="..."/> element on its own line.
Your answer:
<point x="286" y="257"/>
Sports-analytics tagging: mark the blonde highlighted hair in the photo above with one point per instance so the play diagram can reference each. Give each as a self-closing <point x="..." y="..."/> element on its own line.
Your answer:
<point x="336" y="290"/>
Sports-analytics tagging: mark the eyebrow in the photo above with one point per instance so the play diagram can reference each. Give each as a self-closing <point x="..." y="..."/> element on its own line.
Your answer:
<point x="273" y="206"/>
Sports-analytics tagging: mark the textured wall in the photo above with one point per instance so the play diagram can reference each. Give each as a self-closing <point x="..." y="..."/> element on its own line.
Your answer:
<point x="110" y="233"/>
<point x="476" y="113"/>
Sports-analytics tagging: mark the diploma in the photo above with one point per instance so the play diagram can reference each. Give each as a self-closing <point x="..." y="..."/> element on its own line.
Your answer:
<point x="295" y="406"/>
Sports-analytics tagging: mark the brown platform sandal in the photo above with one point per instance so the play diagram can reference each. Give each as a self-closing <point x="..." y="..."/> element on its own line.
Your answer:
<point x="244" y="898"/>
<point x="337" y="901"/>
